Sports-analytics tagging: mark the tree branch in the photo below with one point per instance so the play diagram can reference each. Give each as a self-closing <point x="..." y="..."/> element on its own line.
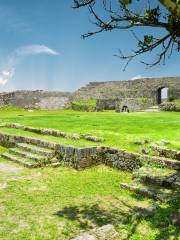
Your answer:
<point x="123" y="17"/>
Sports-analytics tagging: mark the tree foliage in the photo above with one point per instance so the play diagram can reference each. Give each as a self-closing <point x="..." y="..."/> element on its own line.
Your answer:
<point x="122" y="15"/>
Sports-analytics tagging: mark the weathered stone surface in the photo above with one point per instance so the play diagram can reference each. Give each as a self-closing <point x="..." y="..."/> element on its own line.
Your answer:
<point x="20" y="161"/>
<point x="54" y="132"/>
<point x="85" y="237"/>
<point x="106" y="232"/>
<point x="35" y="149"/>
<point x="89" y="156"/>
<point x="155" y="193"/>
<point x="120" y="159"/>
<point x="137" y="189"/>
<point x="136" y="95"/>
<point x="170" y="163"/>
<point x="175" y="218"/>
<point x="163" y="151"/>
<point x="168" y="180"/>
<point x="55" y="164"/>
<point x="3" y="185"/>
<point x="93" y="138"/>
<point x="37" y="99"/>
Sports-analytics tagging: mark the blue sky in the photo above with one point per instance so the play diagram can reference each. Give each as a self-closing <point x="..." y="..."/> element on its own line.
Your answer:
<point x="41" y="48"/>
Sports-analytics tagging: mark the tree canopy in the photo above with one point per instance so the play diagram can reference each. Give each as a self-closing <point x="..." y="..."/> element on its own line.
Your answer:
<point x="122" y="15"/>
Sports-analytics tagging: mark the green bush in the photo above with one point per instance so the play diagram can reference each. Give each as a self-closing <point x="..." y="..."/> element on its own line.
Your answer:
<point x="171" y="99"/>
<point x="87" y="106"/>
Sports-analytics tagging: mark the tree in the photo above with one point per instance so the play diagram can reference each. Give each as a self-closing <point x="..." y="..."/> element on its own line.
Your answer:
<point x="121" y="15"/>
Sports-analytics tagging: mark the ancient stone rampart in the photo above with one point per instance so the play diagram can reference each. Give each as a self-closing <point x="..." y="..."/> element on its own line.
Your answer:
<point x="145" y="87"/>
<point x="133" y="94"/>
<point x="36" y="99"/>
<point x="136" y="94"/>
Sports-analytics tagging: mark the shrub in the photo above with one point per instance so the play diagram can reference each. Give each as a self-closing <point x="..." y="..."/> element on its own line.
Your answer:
<point x="171" y="99"/>
<point x="87" y="106"/>
<point x="170" y="107"/>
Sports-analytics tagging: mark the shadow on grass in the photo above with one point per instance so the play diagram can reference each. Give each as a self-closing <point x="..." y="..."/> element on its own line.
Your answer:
<point x="89" y="216"/>
<point x="167" y="205"/>
<point x="93" y="215"/>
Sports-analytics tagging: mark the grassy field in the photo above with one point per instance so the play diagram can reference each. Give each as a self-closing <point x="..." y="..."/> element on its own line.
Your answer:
<point x="58" y="204"/>
<point x="119" y="129"/>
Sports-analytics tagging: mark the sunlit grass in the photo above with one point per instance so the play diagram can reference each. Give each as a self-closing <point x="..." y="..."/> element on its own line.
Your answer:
<point x="118" y="129"/>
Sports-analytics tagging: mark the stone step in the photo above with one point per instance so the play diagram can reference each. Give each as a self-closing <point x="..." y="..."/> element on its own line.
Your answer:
<point x="169" y="163"/>
<point x="106" y="232"/>
<point x="149" y="191"/>
<point x="156" y="176"/>
<point x="26" y="154"/>
<point x="35" y="149"/>
<point x="166" y="182"/>
<point x="163" y="151"/>
<point x="22" y="161"/>
<point x="152" y="109"/>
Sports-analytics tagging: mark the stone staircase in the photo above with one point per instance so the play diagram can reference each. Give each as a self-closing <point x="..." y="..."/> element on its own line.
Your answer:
<point x="29" y="155"/>
<point x="156" y="183"/>
<point x="159" y="178"/>
<point x="152" y="109"/>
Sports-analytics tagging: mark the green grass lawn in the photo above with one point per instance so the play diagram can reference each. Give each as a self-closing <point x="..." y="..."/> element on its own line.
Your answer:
<point x="49" y="204"/>
<point x="119" y="129"/>
<point x="58" y="204"/>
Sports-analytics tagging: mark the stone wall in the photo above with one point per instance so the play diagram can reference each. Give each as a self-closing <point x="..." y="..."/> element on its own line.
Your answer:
<point x="144" y="87"/>
<point x="135" y="94"/>
<point x="133" y="104"/>
<point x="110" y="91"/>
<point x="79" y="157"/>
<point x="36" y="99"/>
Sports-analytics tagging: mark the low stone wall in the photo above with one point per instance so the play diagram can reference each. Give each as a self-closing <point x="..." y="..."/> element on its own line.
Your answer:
<point x="120" y="159"/>
<point x="9" y="140"/>
<point x="165" y="152"/>
<point x="54" y="132"/>
<point x="90" y="156"/>
<point x="79" y="157"/>
<point x="132" y="104"/>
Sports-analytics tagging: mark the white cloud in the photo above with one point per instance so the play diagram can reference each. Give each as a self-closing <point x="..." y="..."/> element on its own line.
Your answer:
<point x="138" y="77"/>
<point x="34" y="49"/>
<point x="3" y="81"/>
<point x="6" y="75"/>
<point x="18" y="54"/>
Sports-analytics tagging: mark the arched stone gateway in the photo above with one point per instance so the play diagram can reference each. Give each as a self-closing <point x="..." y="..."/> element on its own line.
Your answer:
<point x="162" y="94"/>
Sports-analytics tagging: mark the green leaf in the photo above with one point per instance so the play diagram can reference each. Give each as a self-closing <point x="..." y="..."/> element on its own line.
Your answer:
<point x="125" y="2"/>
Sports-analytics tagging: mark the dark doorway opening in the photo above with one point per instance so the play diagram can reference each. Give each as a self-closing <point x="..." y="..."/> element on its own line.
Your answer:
<point x="125" y="109"/>
<point x="162" y="95"/>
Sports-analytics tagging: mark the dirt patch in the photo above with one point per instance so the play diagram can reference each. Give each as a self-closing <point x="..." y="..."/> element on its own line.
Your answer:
<point x="8" y="168"/>
<point x="3" y="185"/>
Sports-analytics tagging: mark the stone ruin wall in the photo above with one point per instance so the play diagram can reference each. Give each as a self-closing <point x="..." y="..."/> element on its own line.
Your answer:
<point x="145" y="87"/>
<point x="36" y="99"/>
<point x="137" y="94"/>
